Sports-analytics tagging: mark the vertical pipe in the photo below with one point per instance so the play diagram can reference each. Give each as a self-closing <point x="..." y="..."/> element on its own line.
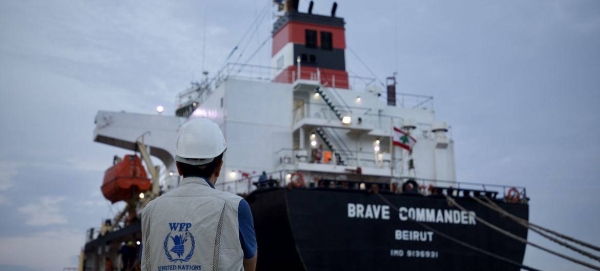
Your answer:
<point x="318" y="71"/>
<point x="299" y="71"/>
<point x="392" y="151"/>
<point x="301" y="131"/>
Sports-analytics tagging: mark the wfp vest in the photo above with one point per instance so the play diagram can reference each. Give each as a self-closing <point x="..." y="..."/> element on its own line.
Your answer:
<point x="192" y="227"/>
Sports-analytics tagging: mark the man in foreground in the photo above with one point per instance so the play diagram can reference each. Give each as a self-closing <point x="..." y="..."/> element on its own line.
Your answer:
<point x="194" y="226"/>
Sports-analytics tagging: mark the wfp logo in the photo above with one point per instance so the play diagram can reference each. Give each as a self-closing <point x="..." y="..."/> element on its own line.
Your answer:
<point x="179" y="243"/>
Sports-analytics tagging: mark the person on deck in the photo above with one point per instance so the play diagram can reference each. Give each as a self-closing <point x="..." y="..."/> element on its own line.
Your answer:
<point x="194" y="225"/>
<point x="318" y="154"/>
<point x="263" y="177"/>
<point x="127" y="253"/>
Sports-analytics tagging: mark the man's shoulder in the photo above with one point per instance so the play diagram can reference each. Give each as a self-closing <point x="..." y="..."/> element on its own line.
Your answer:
<point x="152" y="204"/>
<point x="148" y="207"/>
<point x="228" y="196"/>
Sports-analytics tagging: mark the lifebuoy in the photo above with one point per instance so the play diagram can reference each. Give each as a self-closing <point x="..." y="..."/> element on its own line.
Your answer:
<point x="297" y="182"/>
<point x="513" y="195"/>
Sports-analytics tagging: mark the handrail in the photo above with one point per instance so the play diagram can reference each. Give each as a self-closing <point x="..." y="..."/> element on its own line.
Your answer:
<point x="201" y="90"/>
<point x="337" y="96"/>
<point x="338" y="140"/>
<point x="280" y="177"/>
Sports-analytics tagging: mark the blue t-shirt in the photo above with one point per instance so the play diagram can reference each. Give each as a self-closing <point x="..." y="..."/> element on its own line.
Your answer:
<point x="246" y="226"/>
<point x="247" y="235"/>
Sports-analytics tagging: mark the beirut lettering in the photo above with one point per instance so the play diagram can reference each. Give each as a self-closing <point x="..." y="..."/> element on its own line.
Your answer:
<point x="407" y="235"/>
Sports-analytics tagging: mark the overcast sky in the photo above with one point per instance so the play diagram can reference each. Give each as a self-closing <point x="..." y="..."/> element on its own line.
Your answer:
<point x="517" y="80"/>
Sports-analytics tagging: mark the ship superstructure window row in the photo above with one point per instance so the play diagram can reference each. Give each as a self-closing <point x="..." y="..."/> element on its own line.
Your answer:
<point x="304" y="58"/>
<point x="312" y="42"/>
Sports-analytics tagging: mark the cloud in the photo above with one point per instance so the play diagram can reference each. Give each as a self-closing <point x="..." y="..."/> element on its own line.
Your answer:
<point x="3" y="199"/>
<point x="95" y="164"/>
<point x="7" y="171"/>
<point x="94" y="203"/>
<point x="50" y="250"/>
<point x="47" y="212"/>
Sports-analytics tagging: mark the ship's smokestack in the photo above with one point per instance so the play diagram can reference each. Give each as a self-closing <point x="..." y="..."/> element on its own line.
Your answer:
<point x="291" y="6"/>
<point x="310" y="7"/>
<point x="333" y="9"/>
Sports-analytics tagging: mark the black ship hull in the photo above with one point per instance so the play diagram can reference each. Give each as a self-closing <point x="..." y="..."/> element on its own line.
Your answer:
<point x="334" y="229"/>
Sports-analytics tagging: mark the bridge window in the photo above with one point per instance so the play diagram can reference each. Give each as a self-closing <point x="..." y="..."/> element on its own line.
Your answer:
<point x="311" y="38"/>
<point x="326" y="43"/>
<point x="303" y="58"/>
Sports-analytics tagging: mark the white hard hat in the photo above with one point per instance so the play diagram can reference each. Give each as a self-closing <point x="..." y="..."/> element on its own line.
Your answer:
<point x="200" y="140"/>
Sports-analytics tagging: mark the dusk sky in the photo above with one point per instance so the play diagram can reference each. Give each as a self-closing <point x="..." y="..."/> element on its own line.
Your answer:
<point x="518" y="81"/>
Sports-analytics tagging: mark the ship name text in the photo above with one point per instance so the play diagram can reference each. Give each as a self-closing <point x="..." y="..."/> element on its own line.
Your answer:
<point x="368" y="211"/>
<point x="428" y="215"/>
<point x="431" y="215"/>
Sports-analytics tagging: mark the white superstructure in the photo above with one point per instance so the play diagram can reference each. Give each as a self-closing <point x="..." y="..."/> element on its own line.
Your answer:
<point x="274" y="127"/>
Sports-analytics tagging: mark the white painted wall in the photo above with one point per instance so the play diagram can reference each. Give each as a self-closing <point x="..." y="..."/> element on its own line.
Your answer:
<point x="286" y="54"/>
<point x="258" y="123"/>
<point x="257" y="119"/>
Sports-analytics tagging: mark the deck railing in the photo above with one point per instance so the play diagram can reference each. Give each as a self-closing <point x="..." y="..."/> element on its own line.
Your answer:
<point x="201" y="90"/>
<point x="351" y="181"/>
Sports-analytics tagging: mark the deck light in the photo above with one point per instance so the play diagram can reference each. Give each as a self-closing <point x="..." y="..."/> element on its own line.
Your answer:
<point x="376" y="145"/>
<point x="171" y="173"/>
<point x="316" y="95"/>
<point x="358" y="99"/>
<point x="232" y="174"/>
<point x="346" y="120"/>
<point x="138" y="243"/>
<point x="313" y="143"/>
<point x="160" y="109"/>
<point x="312" y="136"/>
<point x="141" y="195"/>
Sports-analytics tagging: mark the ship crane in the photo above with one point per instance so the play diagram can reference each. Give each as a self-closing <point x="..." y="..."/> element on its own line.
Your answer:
<point x="154" y="170"/>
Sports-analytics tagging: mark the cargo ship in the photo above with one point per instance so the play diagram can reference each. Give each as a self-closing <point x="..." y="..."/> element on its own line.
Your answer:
<point x="341" y="172"/>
